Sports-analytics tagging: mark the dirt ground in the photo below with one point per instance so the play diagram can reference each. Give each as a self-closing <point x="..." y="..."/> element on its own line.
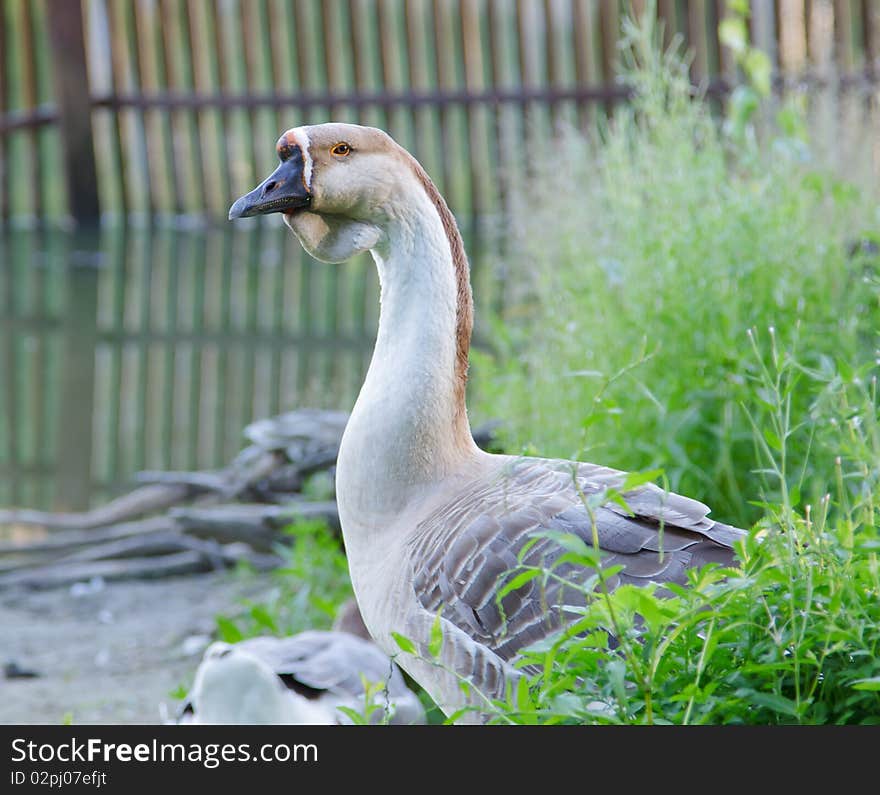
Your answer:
<point x="111" y="653"/>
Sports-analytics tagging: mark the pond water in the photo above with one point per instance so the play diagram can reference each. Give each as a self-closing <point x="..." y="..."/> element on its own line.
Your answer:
<point x="151" y="348"/>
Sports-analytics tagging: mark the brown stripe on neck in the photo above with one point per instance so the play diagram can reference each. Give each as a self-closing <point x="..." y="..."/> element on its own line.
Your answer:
<point x="464" y="320"/>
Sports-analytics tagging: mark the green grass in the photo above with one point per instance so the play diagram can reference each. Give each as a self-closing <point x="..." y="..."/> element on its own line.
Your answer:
<point x="639" y="260"/>
<point x="307" y="590"/>
<point x="793" y="636"/>
<point x="689" y="302"/>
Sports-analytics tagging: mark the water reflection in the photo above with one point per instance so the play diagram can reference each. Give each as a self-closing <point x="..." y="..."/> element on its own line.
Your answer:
<point x="152" y="349"/>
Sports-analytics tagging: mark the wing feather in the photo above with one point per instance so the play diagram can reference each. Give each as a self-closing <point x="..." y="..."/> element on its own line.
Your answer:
<point x="463" y="552"/>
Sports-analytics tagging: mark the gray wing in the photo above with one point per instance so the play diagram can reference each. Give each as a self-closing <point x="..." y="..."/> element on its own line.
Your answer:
<point x="463" y="552"/>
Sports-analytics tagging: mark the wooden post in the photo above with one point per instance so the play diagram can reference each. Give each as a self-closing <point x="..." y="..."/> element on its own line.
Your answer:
<point x="74" y="109"/>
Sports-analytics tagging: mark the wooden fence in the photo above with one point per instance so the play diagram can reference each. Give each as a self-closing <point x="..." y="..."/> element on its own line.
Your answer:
<point x="181" y="100"/>
<point x="141" y="347"/>
<point x="152" y="348"/>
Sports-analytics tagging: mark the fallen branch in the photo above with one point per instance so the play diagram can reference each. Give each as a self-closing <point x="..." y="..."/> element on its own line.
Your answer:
<point x="61" y="541"/>
<point x="257" y="525"/>
<point x="141" y="501"/>
<point x="60" y="574"/>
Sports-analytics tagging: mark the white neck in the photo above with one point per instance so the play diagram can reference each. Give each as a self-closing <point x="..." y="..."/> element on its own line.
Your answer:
<point x="409" y="427"/>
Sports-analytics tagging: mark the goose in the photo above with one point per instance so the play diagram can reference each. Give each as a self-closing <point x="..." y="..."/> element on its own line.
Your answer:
<point x="299" y="679"/>
<point x="432" y="525"/>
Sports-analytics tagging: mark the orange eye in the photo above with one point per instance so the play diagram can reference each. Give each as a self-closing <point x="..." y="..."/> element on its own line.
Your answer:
<point x="340" y="150"/>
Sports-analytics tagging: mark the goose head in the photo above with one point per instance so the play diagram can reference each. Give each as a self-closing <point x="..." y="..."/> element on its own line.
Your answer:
<point x="337" y="186"/>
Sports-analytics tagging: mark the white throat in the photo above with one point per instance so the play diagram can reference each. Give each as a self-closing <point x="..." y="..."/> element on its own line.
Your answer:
<point x="408" y="429"/>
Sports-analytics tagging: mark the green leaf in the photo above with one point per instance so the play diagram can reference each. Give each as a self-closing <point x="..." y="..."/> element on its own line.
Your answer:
<point x="178" y="693"/>
<point x="262" y="616"/>
<point x="774" y="702"/>
<point x="523" y="699"/>
<point x="591" y="419"/>
<point x="617" y="498"/>
<point x="356" y="717"/>
<point x="517" y="582"/>
<point x="435" y="644"/>
<point x="228" y="630"/>
<point x="773" y="440"/>
<point x="635" y="479"/>
<point x="405" y="644"/>
<point x="872" y="683"/>
<point x="570" y="542"/>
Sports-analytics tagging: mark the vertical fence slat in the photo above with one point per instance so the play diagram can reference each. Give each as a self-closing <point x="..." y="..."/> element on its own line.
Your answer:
<point x="763" y="25"/>
<point x="365" y="80"/>
<point x="843" y="35"/>
<point x="146" y="163"/>
<point x="726" y="59"/>
<point x="444" y="70"/>
<point x="161" y="24"/>
<point x="332" y="60"/>
<point x="429" y="146"/>
<point x="697" y="40"/>
<point x="585" y="64"/>
<point x="610" y="30"/>
<point x="477" y="121"/>
<point x="28" y="88"/>
<point x="871" y="32"/>
<point x="551" y="59"/>
<point x="5" y="182"/>
<point x="214" y="81"/>
<point x="114" y="161"/>
<point x="278" y="65"/>
<point x="191" y="44"/>
<point x="389" y="53"/>
<point x="524" y="64"/>
<point x="117" y="85"/>
<point x="792" y="36"/>
<point x="74" y="107"/>
<point x="235" y="120"/>
<point x="666" y="11"/>
<point x="307" y="58"/>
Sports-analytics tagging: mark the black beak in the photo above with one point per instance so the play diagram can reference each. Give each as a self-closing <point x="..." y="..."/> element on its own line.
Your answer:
<point x="284" y="190"/>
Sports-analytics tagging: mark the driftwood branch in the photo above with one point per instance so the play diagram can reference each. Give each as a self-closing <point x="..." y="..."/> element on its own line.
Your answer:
<point x="140" y="502"/>
<point x="60" y="574"/>
<point x="257" y="525"/>
<point x="184" y="522"/>
<point x="62" y="541"/>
